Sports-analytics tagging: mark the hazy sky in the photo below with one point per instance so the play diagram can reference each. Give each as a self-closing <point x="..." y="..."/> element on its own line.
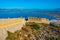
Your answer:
<point x="30" y="4"/>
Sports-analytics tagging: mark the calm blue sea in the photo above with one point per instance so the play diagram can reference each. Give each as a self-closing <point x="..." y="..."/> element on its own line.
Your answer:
<point x="26" y="15"/>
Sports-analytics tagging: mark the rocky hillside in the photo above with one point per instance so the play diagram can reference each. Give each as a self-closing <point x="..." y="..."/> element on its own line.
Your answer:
<point x="35" y="31"/>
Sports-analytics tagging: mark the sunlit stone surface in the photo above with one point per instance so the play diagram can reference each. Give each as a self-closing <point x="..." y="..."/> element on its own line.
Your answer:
<point x="11" y="24"/>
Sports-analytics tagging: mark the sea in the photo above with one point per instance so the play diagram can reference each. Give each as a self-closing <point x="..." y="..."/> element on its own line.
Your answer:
<point x="25" y="15"/>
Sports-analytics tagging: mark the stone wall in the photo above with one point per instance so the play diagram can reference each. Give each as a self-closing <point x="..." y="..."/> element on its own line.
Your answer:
<point x="38" y="20"/>
<point x="11" y="25"/>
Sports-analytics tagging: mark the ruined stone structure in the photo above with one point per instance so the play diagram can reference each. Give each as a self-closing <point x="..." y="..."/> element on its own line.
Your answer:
<point x="13" y="24"/>
<point x="38" y="20"/>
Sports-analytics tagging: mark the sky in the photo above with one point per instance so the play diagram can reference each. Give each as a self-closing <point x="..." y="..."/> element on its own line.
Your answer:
<point x="30" y="4"/>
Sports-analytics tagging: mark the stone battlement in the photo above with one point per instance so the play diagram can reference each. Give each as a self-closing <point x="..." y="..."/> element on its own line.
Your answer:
<point x="38" y="20"/>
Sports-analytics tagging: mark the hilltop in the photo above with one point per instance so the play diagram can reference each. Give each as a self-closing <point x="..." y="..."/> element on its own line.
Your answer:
<point x="35" y="31"/>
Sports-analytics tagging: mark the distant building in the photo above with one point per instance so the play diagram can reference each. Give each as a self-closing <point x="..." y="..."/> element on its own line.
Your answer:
<point x="38" y="20"/>
<point x="55" y="22"/>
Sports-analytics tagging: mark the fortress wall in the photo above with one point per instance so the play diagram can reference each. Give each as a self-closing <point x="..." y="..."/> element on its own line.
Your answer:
<point x="38" y="20"/>
<point x="12" y="27"/>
